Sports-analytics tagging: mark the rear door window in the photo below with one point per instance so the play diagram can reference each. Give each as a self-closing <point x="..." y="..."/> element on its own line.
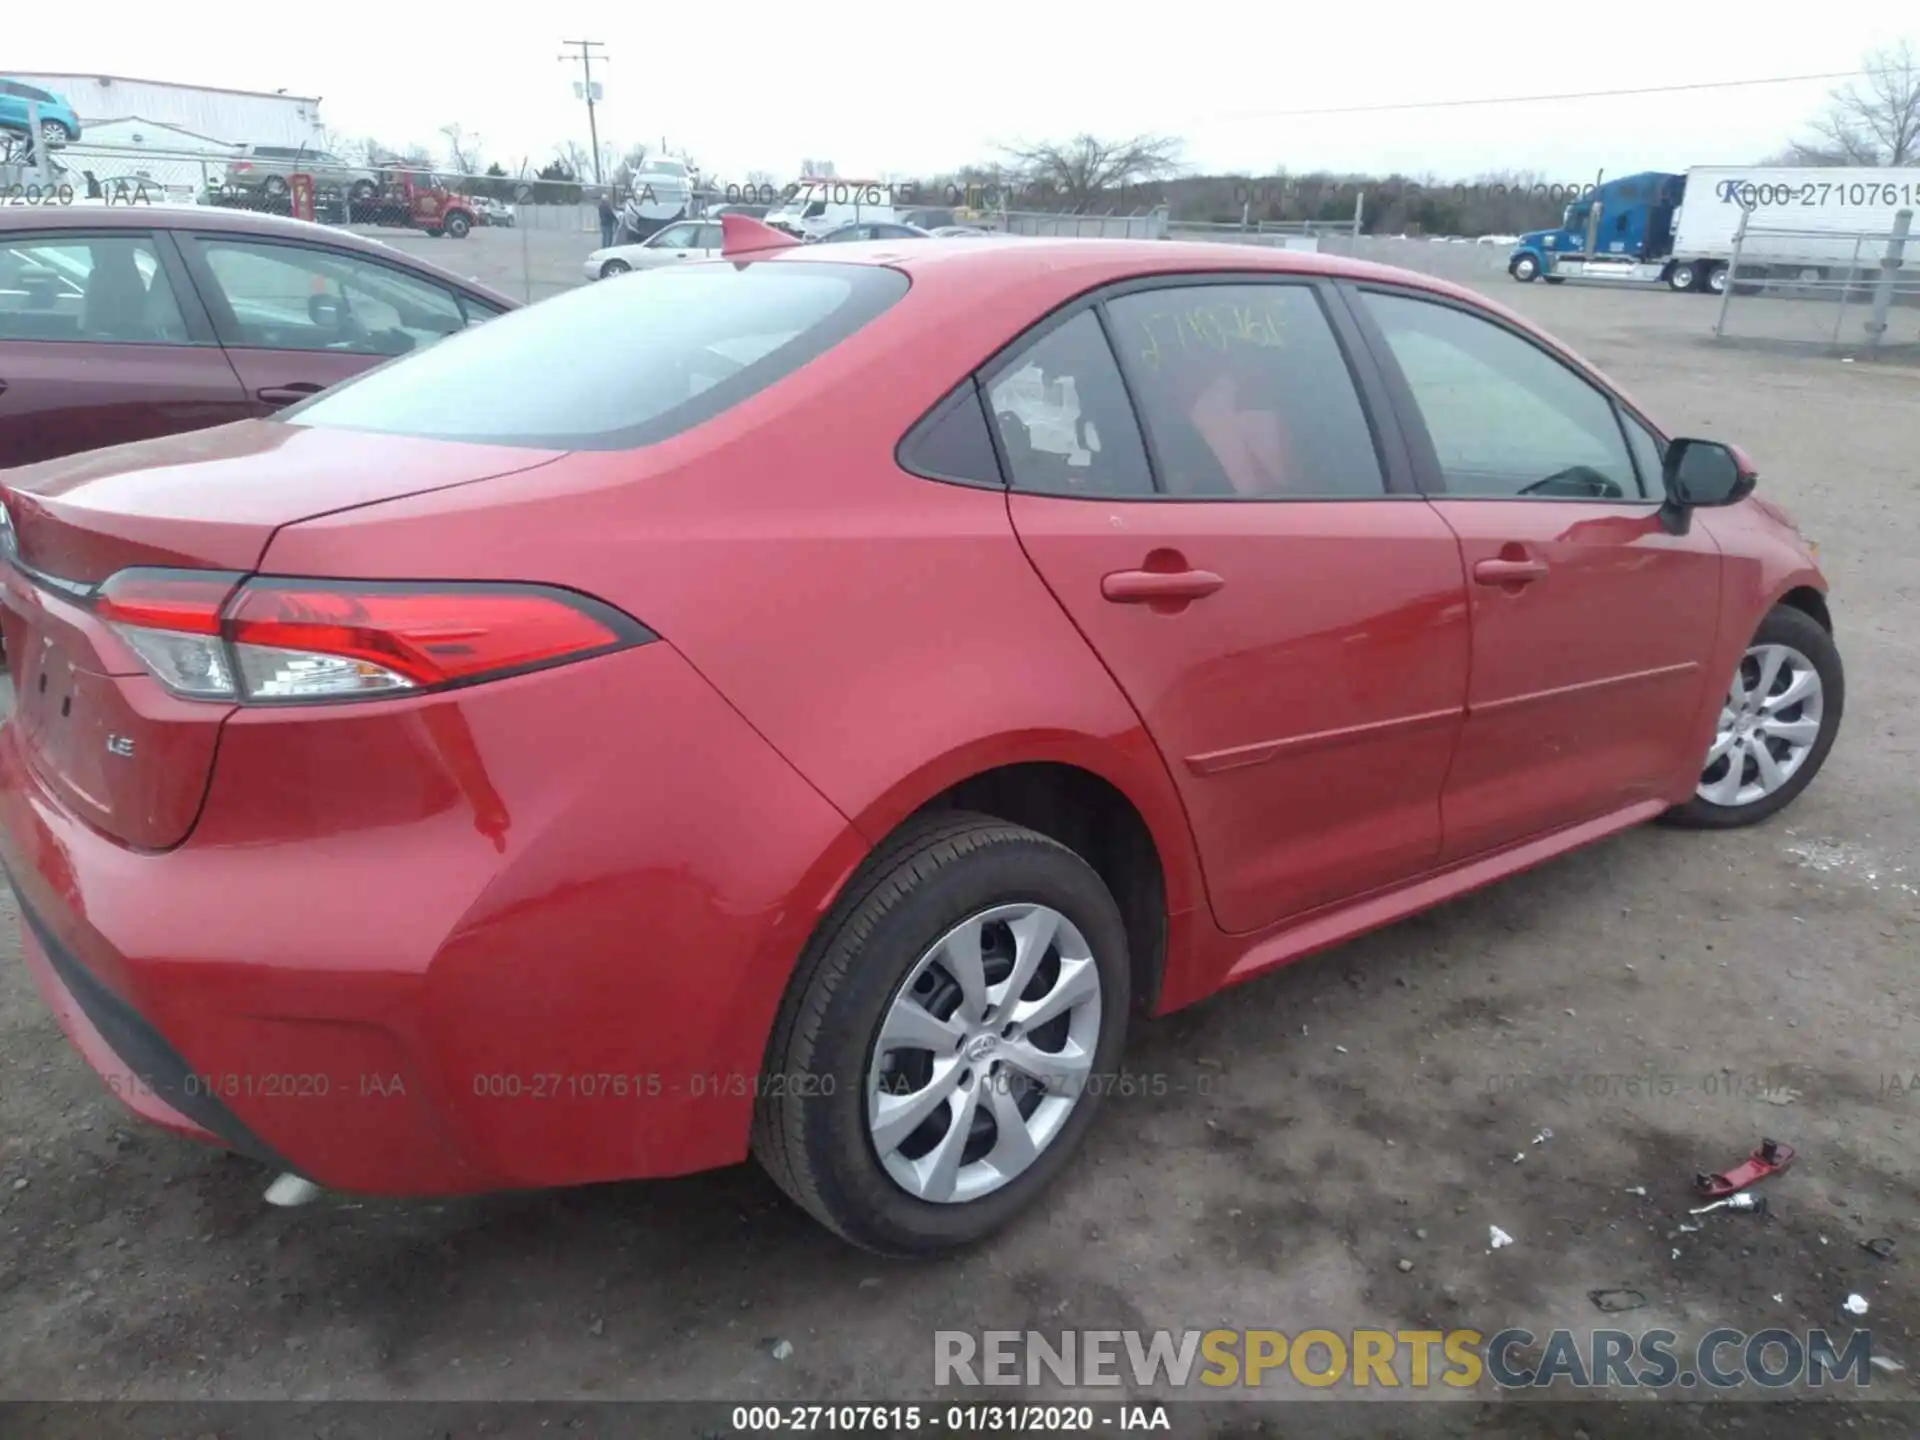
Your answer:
<point x="1245" y="393"/>
<point x="106" y="288"/>
<point x="611" y="367"/>
<point x="1065" y="424"/>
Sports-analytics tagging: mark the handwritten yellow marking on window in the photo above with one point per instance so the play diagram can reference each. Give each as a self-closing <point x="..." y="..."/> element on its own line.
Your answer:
<point x="1219" y="328"/>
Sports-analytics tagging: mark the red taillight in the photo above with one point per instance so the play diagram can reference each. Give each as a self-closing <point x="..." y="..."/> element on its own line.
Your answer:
<point x="433" y="637"/>
<point x="283" y="639"/>
<point x="184" y="600"/>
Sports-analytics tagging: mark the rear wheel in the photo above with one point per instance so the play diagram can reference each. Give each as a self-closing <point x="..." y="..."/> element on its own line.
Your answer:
<point x="1717" y="280"/>
<point x="275" y="186"/>
<point x="1776" y="726"/>
<point x="1683" y="277"/>
<point x="939" y="1052"/>
<point x="361" y="191"/>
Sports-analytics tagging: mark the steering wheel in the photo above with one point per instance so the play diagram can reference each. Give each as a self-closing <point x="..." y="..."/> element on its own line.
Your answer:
<point x="1581" y="482"/>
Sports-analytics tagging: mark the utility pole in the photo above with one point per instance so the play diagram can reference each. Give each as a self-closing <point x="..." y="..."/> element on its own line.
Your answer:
<point x="586" y="58"/>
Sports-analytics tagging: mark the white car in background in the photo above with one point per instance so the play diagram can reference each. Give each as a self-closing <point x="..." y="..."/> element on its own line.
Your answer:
<point x="682" y="240"/>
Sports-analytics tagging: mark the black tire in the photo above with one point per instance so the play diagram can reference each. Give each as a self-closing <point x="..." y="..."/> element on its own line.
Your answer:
<point x="1554" y="279"/>
<point x="930" y="875"/>
<point x="275" y="186"/>
<point x="361" y="191"/>
<point x="434" y="232"/>
<point x="1714" y="282"/>
<point x="613" y="268"/>
<point x="1784" y="625"/>
<point x="1684" y="277"/>
<point x="458" y="225"/>
<point x="1524" y="268"/>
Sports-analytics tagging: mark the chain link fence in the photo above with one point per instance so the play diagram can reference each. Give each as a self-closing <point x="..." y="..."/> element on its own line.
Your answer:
<point x="1856" y="292"/>
<point x="528" y="237"/>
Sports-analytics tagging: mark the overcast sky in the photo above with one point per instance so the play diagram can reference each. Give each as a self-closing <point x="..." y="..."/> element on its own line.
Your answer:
<point x="892" y="89"/>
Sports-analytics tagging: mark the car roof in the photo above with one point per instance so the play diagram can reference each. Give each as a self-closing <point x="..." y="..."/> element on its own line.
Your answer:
<point x="1027" y="274"/>
<point x="85" y="214"/>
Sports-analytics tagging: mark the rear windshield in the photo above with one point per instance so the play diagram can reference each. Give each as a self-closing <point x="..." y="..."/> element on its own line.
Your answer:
<point x="617" y="363"/>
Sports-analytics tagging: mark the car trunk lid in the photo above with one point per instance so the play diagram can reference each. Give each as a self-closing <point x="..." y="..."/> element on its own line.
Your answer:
<point x="122" y="751"/>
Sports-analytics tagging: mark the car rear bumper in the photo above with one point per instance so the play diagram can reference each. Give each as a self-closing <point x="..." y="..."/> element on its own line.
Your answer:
<point x="531" y="933"/>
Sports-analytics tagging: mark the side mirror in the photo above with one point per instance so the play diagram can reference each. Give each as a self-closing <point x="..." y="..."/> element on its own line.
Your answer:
<point x="329" y="312"/>
<point x="1706" y="472"/>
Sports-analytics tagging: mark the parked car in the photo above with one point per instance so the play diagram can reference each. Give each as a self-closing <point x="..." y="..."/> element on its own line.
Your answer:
<point x="59" y="125"/>
<point x="817" y="206"/>
<point x="573" y="752"/>
<point x="268" y="170"/>
<point x="682" y="240"/>
<point x="932" y="219"/>
<point x="121" y="322"/>
<point x="961" y="232"/>
<point x="871" y="230"/>
<point x="489" y="211"/>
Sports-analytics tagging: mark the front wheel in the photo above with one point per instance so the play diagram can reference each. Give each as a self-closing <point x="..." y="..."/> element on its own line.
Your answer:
<point x="275" y="186"/>
<point x="458" y="225"/>
<point x="52" y="132"/>
<point x="1524" y="268"/>
<point x="613" y="268"/>
<point x="1776" y="726"/>
<point x="946" y="1036"/>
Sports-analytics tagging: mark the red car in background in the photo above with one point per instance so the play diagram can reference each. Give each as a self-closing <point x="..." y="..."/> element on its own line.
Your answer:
<point x="125" y="322"/>
<point x="801" y="704"/>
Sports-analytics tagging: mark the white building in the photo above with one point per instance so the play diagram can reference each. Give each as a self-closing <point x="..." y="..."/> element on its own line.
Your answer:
<point x="221" y="117"/>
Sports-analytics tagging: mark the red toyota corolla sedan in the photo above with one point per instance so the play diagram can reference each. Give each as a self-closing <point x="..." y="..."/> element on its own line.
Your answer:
<point x="801" y="705"/>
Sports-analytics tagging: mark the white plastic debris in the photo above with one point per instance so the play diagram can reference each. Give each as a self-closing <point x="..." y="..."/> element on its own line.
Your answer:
<point x="1518" y="1156"/>
<point x="1341" y="1048"/>
<point x="1545" y="1135"/>
<point x="1887" y="1362"/>
<point x="1498" y="1238"/>
<point x="1639" y="1190"/>
<point x="1676" y="1252"/>
<point x="1855" y="1305"/>
<point x="290" y="1189"/>
<point x="1780" y="1299"/>
<point x="782" y="1349"/>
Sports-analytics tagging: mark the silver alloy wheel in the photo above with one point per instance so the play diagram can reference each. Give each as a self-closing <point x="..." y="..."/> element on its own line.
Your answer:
<point x="1717" y="279"/>
<point x="53" y="132"/>
<point x="1768" y="726"/>
<point x="1525" y="268"/>
<point x="985" y="1049"/>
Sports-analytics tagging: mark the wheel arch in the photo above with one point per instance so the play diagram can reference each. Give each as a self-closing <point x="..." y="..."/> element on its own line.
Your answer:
<point x="1810" y="600"/>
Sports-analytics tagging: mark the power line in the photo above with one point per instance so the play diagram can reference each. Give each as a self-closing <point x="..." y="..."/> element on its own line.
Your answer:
<point x="1537" y="99"/>
<point x="586" y="59"/>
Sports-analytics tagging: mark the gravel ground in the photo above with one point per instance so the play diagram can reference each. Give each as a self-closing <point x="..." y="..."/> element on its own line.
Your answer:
<point x="1318" y="1127"/>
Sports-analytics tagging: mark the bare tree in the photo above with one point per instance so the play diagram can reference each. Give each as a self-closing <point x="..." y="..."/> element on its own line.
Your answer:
<point x="1082" y="169"/>
<point x="1871" y="121"/>
<point x="632" y="161"/>
<point x="574" y="156"/>
<point x="463" y="149"/>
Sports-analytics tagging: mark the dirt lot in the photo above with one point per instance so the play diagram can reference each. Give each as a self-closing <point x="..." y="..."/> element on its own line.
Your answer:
<point x="1318" y="1127"/>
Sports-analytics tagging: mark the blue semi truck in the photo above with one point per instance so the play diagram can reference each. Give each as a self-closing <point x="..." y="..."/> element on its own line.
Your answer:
<point x="1680" y="230"/>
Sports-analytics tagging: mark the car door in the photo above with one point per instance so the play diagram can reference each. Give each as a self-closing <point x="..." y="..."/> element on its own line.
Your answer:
<point x="676" y="242"/>
<point x="1591" y="619"/>
<point x="296" y="318"/>
<point x="708" y="242"/>
<point x="102" y="341"/>
<point x="1247" y="554"/>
